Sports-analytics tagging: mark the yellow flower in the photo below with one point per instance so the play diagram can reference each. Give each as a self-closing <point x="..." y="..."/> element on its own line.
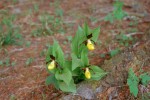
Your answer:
<point x="87" y="73"/>
<point x="90" y="45"/>
<point x="51" y="65"/>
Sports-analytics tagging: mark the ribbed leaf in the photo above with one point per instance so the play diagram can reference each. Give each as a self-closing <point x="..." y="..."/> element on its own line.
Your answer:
<point x="95" y="32"/>
<point x="65" y="75"/>
<point x="97" y="73"/>
<point x="52" y="80"/>
<point x="133" y="82"/>
<point x="145" y="78"/>
<point x="75" y="62"/>
<point x="68" y="88"/>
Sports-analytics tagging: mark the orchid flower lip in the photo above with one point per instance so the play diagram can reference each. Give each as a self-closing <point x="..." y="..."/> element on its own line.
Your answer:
<point x="87" y="73"/>
<point x="90" y="45"/>
<point x="51" y="65"/>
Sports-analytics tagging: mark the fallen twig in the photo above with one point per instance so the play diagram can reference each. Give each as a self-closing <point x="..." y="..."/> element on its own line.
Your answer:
<point x="135" y="33"/>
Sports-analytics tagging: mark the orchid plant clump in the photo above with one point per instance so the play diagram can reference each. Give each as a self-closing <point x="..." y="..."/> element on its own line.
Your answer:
<point x="65" y="74"/>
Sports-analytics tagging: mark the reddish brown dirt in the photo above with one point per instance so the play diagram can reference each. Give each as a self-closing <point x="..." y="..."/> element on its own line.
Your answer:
<point x="28" y="82"/>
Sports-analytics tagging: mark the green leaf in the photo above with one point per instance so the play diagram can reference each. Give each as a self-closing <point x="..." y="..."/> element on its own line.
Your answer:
<point x="145" y="78"/>
<point x="80" y="49"/>
<point x="109" y="18"/>
<point x="77" y="41"/>
<point x="118" y="12"/>
<point x="67" y="88"/>
<point x="60" y="57"/>
<point x="102" y="55"/>
<point x="59" y="12"/>
<point x="52" y="80"/>
<point x="75" y="62"/>
<point x="124" y="37"/>
<point x="114" y="52"/>
<point x="74" y="46"/>
<point x="1" y="63"/>
<point x="95" y="32"/>
<point x="97" y="73"/>
<point x="54" y="48"/>
<point x="29" y="61"/>
<point x="86" y="29"/>
<point x="133" y="86"/>
<point x="84" y="57"/>
<point x="76" y="72"/>
<point x="58" y="53"/>
<point x="65" y="75"/>
<point x="68" y="64"/>
<point x="49" y="80"/>
<point x="133" y="82"/>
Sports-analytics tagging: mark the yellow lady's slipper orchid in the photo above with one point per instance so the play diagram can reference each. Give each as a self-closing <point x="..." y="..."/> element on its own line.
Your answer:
<point x="87" y="73"/>
<point x="51" y="65"/>
<point x="90" y="45"/>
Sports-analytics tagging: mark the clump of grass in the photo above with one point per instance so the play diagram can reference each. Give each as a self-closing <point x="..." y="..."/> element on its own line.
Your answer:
<point x="7" y="62"/>
<point x="9" y="32"/>
<point x="49" y="24"/>
<point x="117" y="13"/>
<point x="124" y="40"/>
<point x="29" y="61"/>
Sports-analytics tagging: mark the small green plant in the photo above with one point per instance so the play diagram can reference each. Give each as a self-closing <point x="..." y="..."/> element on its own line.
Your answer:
<point x="114" y="52"/>
<point x="28" y="43"/>
<point x="9" y="33"/>
<point x="117" y="14"/>
<point x="6" y="62"/>
<point x="56" y="3"/>
<point x="29" y="61"/>
<point x="124" y="39"/>
<point x="65" y="74"/>
<point x="14" y="1"/>
<point x="59" y="12"/>
<point x="12" y="97"/>
<point x="131" y="30"/>
<point x="133" y="23"/>
<point x="36" y="8"/>
<point x="110" y="54"/>
<point x="133" y="81"/>
<point x="1" y="63"/>
<point x="50" y="24"/>
<point x="13" y="64"/>
<point x="93" y="19"/>
<point x="43" y="53"/>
